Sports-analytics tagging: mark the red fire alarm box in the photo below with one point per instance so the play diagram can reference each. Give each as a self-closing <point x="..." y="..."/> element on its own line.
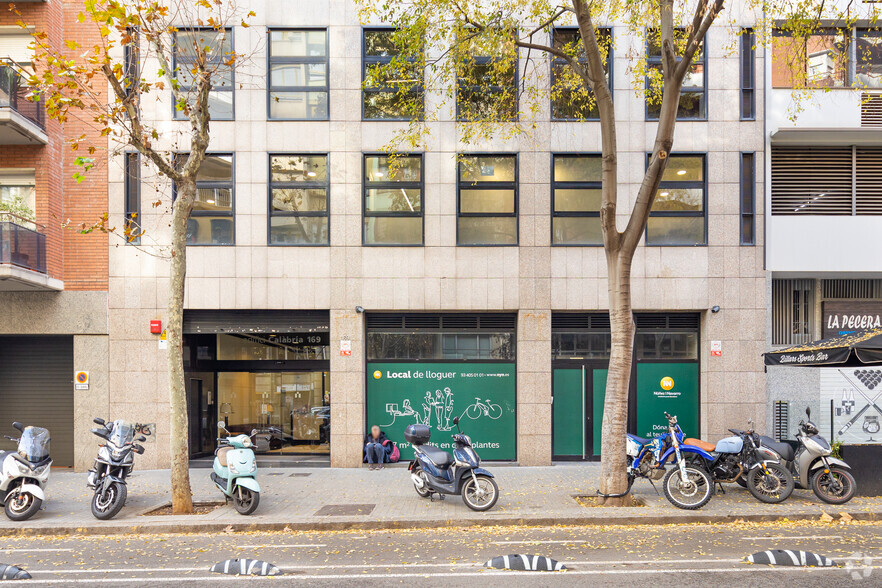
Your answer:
<point x="155" y="327"/>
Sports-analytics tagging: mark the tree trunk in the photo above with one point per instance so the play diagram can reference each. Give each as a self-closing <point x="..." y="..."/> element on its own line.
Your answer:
<point x="613" y="465"/>
<point x="182" y="495"/>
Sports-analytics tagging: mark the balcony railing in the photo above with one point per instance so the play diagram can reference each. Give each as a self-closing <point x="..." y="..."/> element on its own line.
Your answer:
<point x="20" y="245"/>
<point x="13" y="94"/>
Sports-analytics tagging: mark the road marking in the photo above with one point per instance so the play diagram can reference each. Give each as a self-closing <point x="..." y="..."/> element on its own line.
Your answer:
<point x="792" y="538"/>
<point x="34" y="550"/>
<point x="274" y="546"/>
<point x="536" y="542"/>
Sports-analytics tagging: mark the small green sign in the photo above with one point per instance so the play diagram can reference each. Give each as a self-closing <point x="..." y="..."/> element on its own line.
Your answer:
<point x="482" y="395"/>
<point x="671" y="387"/>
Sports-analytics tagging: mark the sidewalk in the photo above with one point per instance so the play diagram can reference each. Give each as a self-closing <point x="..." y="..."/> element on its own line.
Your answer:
<point x="292" y="498"/>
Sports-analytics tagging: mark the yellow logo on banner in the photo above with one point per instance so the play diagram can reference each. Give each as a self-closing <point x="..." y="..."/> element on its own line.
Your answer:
<point x="378" y="374"/>
<point x="667" y="383"/>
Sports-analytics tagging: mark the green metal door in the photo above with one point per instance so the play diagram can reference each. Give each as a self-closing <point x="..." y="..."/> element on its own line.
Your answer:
<point x="598" y="394"/>
<point x="568" y="413"/>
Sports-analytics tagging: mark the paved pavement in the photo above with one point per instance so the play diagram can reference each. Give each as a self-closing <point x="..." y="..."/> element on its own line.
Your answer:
<point x="688" y="556"/>
<point x="293" y="497"/>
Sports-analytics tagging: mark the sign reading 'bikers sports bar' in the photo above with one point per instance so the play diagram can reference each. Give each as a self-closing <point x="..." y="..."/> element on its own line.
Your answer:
<point x="844" y="317"/>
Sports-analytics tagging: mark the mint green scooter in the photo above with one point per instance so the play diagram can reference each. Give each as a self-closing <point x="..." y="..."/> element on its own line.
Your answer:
<point x="235" y="471"/>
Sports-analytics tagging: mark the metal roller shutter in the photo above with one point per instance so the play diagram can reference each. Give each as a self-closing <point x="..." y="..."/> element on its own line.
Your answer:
<point x="36" y="388"/>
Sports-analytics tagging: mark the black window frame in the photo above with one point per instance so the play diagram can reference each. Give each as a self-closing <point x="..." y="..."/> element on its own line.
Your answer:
<point x="479" y="60"/>
<point x="656" y="60"/>
<point x="271" y="185"/>
<point x="228" y="33"/>
<point x="367" y="60"/>
<point x="492" y="185"/>
<point x="305" y="59"/>
<point x="747" y="197"/>
<point x="204" y="184"/>
<point x="703" y="185"/>
<point x="132" y="199"/>
<point x="365" y="214"/>
<point x="573" y="185"/>
<point x="748" y="75"/>
<point x="560" y="61"/>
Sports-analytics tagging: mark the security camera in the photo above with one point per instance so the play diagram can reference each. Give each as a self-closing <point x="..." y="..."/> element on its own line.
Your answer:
<point x="715" y="309"/>
<point x="359" y="309"/>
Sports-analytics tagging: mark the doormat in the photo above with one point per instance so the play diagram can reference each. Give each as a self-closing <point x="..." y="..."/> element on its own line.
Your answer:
<point x="299" y="475"/>
<point x="591" y="501"/>
<point x="199" y="508"/>
<point x="345" y="510"/>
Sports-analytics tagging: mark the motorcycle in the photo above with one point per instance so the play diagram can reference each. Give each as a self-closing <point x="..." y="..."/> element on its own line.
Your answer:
<point x="434" y="471"/>
<point x="743" y="456"/>
<point x="235" y="471"/>
<point x="812" y="464"/>
<point x="25" y="472"/>
<point x="116" y="458"/>
<point x="686" y="485"/>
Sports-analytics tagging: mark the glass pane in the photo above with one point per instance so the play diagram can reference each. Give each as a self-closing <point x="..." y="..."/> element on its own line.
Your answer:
<point x="221" y="76"/>
<point x="215" y="199"/>
<point x="298" y="230"/>
<point x="667" y="345"/>
<point x="393" y="200"/>
<point x="300" y="199"/>
<point x="210" y="230"/>
<point x="487" y="230"/>
<point x="486" y="201"/>
<point x="391" y="105"/>
<point x="827" y="59"/>
<point x="747" y="229"/>
<point x="486" y="104"/>
<point x="675" y="230"/>
<point x="586" y="345"/>
<point x="576" y="200"/>
<point x="684" y="168"/>
<point x="220" y="105"/>
<point x="188" y="43"/>
<point x="487" y="168"/>
<point x="216" y="168"/>
<point x="381" y="168"/>
<point x="586" y="168"/>
<point x="679" y="200"/>
<point x="576" y="230"/>
<point x="299" y="74"/>
<point x="298" y="168"/>
<point x="310" y="43"/>
<point x="380" y="43"/>
<point x="299" y="105"/>
<point x="653" y="43"/>
<point x="869" y="59"/>
<point x="393" y="230"/>
<point x="694" y="77"/>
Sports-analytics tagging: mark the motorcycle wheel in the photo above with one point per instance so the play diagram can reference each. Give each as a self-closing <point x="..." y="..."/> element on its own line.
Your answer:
<point x="771" y="488"/>
<point x="23" y="506"/>
<point x="109" y="506"/>
<point x="424" y="492"/>
<point x="822" y="483"/>
<point x="481" y="495"/>
<point x="689" y="494"/>
<point x="247" y="504"/>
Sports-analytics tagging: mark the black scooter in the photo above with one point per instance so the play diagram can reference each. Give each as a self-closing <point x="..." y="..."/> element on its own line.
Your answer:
<point x="434" y="471"/>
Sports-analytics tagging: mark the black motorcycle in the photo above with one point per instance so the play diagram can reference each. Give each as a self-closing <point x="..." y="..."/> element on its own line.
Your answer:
<point x="112" y="466"/>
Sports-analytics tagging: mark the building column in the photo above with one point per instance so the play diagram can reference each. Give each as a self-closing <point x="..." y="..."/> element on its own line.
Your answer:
<point x="90" y="354"/>
<point x="347" y="389"/>
<point x="534" y="387"/>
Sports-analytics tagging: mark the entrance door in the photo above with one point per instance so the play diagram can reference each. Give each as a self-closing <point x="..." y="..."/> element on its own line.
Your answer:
<point x="202" y="415"/>
<point x="577" y="409"/>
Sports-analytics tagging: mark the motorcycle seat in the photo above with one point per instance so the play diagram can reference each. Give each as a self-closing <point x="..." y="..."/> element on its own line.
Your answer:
<point x="221" y="454"/>
<point x="641" y="440"/>
<point x="439" y="457"/>
<point x="785" y="450"/>
<point x="700" y="444"/>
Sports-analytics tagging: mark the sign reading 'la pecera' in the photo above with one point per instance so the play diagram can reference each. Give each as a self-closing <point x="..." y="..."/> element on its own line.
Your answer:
<point x="843" y="317"/>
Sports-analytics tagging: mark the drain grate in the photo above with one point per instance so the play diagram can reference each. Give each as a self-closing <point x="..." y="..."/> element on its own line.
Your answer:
<point x="299" y="475"/>
<point x="275" y="474"/>
<point x="345" y="510"/>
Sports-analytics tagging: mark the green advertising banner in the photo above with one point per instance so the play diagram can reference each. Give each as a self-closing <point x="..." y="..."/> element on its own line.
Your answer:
<point x="482" y="395"/>
<point x="671" y="387"/>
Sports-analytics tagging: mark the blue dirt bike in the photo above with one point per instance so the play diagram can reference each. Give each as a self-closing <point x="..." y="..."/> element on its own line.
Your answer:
<point x="235" y="471"/>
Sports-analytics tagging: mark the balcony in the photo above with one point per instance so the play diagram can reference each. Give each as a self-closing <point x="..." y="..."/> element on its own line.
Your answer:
<point x="22" y="121"/>
<point x="23" y="257"/>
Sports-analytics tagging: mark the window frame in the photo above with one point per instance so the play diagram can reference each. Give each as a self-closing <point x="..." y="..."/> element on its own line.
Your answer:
<point x="559" y="61"/>
<point x="270" y="186"/>
<point x="573" y="185"/>
<point x="653" y="61"/>
<point x="682" y="214"/>
<point x="387" y="184"/>
<point x="374" y="59"/>
<point x="484" y="60"/>
<point x="132" y="202"/>
<point x="493" y="185"/>
<point x="747" y="71"/>
<point x="132" y="62"/>
<point x="202" y="184"/>
<point x="749" y="185"/>
<point x="176" y="114"/>
<point x="306" y="59"/>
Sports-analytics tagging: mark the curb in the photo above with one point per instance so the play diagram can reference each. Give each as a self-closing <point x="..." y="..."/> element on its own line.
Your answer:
<point x="379" y="525"/>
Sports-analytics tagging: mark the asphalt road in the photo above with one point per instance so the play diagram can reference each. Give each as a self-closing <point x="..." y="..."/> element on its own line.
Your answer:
<point x="690" y="555"/>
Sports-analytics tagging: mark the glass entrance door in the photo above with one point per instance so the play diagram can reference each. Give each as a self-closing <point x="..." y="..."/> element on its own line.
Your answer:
<point x="288" y="412"/>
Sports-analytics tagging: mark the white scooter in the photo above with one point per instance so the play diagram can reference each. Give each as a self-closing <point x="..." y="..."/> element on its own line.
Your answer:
<point x="24" y="474"/>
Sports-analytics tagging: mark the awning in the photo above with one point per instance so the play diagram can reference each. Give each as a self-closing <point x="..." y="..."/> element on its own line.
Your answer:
<point x="858" y="348"/>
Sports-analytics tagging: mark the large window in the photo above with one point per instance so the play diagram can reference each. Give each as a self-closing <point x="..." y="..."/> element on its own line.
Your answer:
<point x="298" y="200"/>
<point x="678" y="213"/>
<point x="575" y="200"/>
<point x="298" y="74"/>
<point x="748" y="75"/>
<point x="487" y="73"/>
<point x="393" y="200"/>
<point x="17" y="188"/>
<point x="212" y="219"/>
<point x="793" y="311"/>
<point x="393" y="83"/>
<point x="487" y="204"/>
<point x="816" y="60"/>
<point x="693" y="96"/>
<point x="188" y="44"/>
<point x="570" y="99"/>
<point x="748" y="199"/>
<point x="868" y="54"/>
<point x="132" y="228"/>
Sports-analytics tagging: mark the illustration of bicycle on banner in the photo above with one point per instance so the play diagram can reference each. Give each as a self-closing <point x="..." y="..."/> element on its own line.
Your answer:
<point x="440" y="406"/>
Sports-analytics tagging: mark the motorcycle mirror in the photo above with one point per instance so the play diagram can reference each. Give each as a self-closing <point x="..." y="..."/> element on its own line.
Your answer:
<point x="808" y="412"/>
<point x="455" y="420"/>
<point x="253" y="432"/>
<point x="18" y="426"/>
<point x="221" y="425"/>
<point x="142" y="438"/>
<point x="98" y="421"/>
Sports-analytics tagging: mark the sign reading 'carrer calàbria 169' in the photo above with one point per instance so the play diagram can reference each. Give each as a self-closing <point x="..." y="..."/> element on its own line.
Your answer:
<point x="848" y="316"/>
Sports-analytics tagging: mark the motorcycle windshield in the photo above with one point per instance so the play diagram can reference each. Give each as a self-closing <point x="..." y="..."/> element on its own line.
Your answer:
<point x="34" y="444"/>
<point x="122" y="434"/>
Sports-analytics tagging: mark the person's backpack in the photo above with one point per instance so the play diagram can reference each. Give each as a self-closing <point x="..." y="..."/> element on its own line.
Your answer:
<point x="396" y="454"/>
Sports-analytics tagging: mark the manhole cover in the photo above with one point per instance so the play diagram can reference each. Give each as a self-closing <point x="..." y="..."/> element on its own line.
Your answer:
<point x="344" y="510"/>
<point x="299" y="475"/>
